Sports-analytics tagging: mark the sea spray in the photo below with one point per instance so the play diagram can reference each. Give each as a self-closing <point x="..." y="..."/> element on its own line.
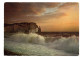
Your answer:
<point x="28" y="38"/>
<point x="67" y="44"/>
<point x="30" y="49"/>
<point x="32" y="44"/>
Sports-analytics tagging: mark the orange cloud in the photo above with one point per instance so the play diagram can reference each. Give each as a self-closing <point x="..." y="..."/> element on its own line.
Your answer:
<point x="61" y="17"/>
<point x="66" y="23"/>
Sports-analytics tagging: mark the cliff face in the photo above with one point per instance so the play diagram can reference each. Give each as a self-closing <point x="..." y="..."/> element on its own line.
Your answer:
<point x="22" y="27"/>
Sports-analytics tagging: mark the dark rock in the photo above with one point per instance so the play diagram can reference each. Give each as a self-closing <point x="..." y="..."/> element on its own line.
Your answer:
<point x="22" y="27"/>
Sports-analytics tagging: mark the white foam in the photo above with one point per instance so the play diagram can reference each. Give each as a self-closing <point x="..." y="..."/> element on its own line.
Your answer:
<point x="28" y="38"/>
<point x="32" y="44"/>
<point x="68" y="44"/>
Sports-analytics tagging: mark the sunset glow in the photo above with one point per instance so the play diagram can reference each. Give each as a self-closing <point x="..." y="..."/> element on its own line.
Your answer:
<point x="51" y="17"/>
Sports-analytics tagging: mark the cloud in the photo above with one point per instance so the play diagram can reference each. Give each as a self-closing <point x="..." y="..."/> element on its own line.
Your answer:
<point x="46" y="10"/>
<point x="27" y="11"/>
<point x="34" y="9"/>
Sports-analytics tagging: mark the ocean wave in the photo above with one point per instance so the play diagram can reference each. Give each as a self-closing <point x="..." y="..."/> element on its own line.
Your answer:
<point x="34" y="44"/>
<point x="67" y="44"/>
<point x="27" y="38"/>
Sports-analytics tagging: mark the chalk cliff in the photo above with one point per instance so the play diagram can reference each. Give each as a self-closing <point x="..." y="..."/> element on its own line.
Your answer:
<point x="22" y="27"/>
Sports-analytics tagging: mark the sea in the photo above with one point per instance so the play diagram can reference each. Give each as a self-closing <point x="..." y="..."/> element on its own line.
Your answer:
<point x="42" y="44"/>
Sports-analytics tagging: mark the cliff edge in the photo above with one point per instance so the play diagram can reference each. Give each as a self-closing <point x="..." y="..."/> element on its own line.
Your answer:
<point x="22" y="27"/>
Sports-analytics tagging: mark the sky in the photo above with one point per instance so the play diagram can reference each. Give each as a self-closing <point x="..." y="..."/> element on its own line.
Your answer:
<point x="51" y="17"/>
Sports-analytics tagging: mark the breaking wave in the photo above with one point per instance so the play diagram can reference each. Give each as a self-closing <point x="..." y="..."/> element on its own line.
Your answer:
<point x="28" y="38"/>
<point x="70" y="44"/>
<point x="34" y="44"/>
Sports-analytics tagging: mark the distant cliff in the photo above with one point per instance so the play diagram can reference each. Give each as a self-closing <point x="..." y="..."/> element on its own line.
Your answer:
<point x="22" y="27"/>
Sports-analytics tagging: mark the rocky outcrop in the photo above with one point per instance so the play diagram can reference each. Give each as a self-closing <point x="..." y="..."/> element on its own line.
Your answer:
<point x="22" y="27"/>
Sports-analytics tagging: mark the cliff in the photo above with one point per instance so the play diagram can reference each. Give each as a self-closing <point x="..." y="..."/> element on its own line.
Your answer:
<point x="22" y="27"/>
